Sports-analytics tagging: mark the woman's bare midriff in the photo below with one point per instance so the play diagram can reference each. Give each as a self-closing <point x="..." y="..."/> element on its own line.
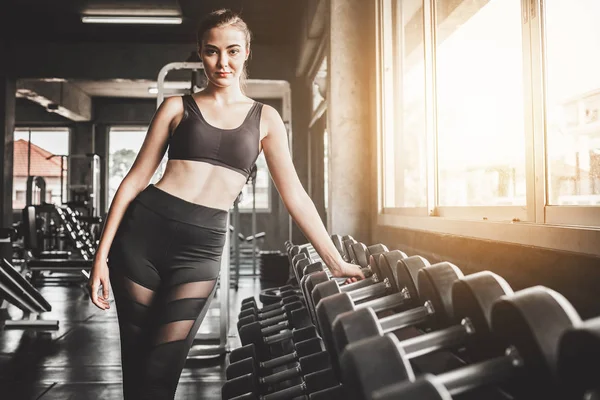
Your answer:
<point x="202" y="183"/>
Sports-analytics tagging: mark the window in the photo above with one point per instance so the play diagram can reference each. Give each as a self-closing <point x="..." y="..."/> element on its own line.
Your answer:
<point x="40" y="152"/>
<point x="572" y="37"/>
<point x="479" y="103"/>
<point x="263" y="188"/>
<point x="405" y="178"/>
<point x="490" y="111"/>
<point x="124" y="145"/>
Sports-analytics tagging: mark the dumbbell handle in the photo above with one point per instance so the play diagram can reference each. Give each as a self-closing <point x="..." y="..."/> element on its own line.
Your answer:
<point x="375" y="290"/>
<point x="360" y="284"/>
<point x="275" y="328"/>
<point x="279" y="361"/>
<point x="281" y="376"/>
<point x="272" y="321"/>
<point x="270" y="314"/>
<point x="279" y="337"/>
<point x="446" y="338"/>
<point x="271" y="307"/>
<point x="387" y="302"/>
<point x="410" y="317"/>
<point x="496" y="370"/>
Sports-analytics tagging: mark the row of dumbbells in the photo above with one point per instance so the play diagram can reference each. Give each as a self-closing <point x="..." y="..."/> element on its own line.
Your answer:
<point x="533" y="336"/>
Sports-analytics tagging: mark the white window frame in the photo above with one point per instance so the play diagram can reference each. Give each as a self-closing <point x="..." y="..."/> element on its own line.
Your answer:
<point x="566" y="228"/>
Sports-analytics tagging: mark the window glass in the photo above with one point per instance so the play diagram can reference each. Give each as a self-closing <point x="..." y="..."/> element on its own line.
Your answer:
<point x="405" y="152"/>
<point x="479" y="103"/>
<point x="573" y="101"/>
<point x="38" y="152"/>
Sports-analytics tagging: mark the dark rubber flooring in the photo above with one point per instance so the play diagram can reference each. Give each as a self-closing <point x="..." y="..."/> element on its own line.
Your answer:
<point x="82" y="360"/>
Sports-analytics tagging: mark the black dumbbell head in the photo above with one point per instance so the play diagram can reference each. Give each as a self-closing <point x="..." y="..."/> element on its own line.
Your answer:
<point x="374" y="363"/>
<point x="313" y="280"/>
<point x="323" y="290"/>
<point x="242" y="367"/>
<point x="353" y="326"/>
<point x="533" y="320"/>
<point x="405" y="270"/>
<point x="434" y="285"/>
<point x="472" y="298"/>
<point x="242" y="353"/>
<point x="251" y="333"/>
<point x="361" y="255"/>
<point x="240" y="385"/>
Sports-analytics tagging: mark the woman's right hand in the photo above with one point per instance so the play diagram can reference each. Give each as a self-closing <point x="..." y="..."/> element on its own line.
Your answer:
<point x="99" y="277"/>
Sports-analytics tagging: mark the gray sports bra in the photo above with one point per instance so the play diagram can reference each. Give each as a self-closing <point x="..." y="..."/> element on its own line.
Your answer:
<point x="195" y="139"/>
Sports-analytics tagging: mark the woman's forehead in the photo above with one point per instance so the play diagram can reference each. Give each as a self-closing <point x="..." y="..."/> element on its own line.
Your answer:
<point x="224" y="37"/>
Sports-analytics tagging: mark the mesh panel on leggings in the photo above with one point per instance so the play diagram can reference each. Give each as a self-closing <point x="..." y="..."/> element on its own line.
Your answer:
<point x="182" y="306"/>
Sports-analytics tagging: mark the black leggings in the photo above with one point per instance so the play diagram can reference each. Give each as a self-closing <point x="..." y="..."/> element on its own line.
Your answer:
<point x="163" y="263"/>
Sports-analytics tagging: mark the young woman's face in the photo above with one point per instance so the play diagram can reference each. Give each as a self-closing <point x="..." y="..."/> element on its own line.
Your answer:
<point x="224" y="52"/>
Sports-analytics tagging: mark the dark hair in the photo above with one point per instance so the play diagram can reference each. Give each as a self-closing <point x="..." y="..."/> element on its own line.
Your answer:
<point x="221" y="18"/>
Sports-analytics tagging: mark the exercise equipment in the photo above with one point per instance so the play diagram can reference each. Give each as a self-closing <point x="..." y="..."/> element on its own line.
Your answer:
<point x="434" y="286"/>
<point x="579" y="359"/>
<point x="465" y="313"/>
<point x="239" y="358"/>
<point x="398" y="290"/>
<point x="529" y="324"/>
<point x="254" y="383"/>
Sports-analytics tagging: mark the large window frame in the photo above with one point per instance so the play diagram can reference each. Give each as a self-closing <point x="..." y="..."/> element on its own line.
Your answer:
<point x="568" y="228"/>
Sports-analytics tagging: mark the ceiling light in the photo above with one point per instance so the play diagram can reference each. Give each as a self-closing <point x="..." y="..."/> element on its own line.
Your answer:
<point x="115" y="19"/>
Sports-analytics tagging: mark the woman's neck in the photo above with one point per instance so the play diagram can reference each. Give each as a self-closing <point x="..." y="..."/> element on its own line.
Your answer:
<point x="224" y="95"/>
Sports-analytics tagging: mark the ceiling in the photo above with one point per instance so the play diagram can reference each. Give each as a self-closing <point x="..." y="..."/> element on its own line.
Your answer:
<point x="273" y="22"/>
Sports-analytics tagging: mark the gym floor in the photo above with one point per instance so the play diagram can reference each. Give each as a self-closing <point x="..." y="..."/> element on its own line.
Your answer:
<point x="82" y="359"/>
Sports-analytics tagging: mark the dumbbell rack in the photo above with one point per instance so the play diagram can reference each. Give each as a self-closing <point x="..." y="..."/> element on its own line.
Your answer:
<point x="434" y="363"/>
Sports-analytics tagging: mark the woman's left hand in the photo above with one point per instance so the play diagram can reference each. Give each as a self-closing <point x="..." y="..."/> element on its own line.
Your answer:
<point x="352" y="271"/>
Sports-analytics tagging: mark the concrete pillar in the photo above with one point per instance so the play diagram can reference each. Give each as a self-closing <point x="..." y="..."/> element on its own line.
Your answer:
<point x="301" y="114"/>
<point x="317" y="171"/>
<point x="351" y="71"/>
<point x="8" y="89"/>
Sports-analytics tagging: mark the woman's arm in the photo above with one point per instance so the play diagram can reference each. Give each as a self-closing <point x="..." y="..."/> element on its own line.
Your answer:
<point x="295" y="198"/>
<point x="138" y="177"/>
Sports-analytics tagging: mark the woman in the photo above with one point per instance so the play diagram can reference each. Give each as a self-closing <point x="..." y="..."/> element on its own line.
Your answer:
<point x="163" y="242"/>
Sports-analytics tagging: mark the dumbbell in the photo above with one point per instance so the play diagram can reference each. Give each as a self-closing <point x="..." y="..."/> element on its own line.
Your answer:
<point x="301" y="325"/>
<point x="465" y="311"/>
<point x="320" y="286"/>
<point x="307" y="345"/>
<point x="238" y="362"/>
<point x="312" y="383"/>
<point x="254" y="383"/>
<point x="366" y="257"/>
<point x="579" y="359"/>
<point x="434" y="286"/>
<point x="292" y="297"/>
<point x="281" y="289"/>
<point x="397" y="290"/>
<point x="284" y="314"/>
<point x="530" y="324"/>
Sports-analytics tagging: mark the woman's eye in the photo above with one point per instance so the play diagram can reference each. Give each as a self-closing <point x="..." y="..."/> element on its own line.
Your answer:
<point x="235" y="51"/>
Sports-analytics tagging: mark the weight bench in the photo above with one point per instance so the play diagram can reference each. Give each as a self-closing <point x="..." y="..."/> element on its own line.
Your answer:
<point x="16" y="290"/>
